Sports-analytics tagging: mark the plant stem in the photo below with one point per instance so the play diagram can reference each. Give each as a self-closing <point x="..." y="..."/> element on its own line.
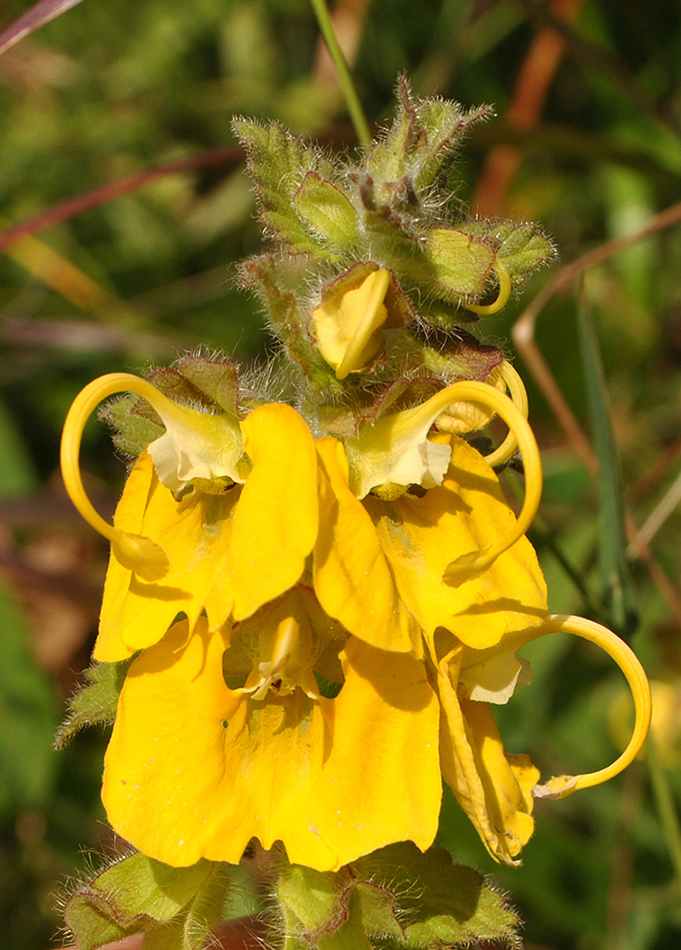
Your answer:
<point x="665" y="807"/>
<point x="349" y="94"/>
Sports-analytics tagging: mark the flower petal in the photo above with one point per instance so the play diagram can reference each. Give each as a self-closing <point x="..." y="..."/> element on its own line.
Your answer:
<point x="382" y="775"/>
<point x="398" y="449"/>
<point x="352" y="578"/>
<point x="345" y="325"/>
<point x="491" y="676"/>
<point x="194" y="769"/>
<point x="420" y="536"/>
<point x="281" y="645"/>
<point x="196" y="446"/>
<point x="195" y="533"/>
<point x="495" y="790"/>
<point x="395" y="448"/>
<point x="275" y="523"/>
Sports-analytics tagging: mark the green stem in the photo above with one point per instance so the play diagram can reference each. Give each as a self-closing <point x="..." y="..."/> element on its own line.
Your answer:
<point x="351" y="99"/>
<point x="546" y="536"/>
<point x="541" y="531"/>
<point x="665" y="807"/>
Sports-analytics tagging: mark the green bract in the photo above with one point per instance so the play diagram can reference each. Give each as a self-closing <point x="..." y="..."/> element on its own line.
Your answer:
<point x="394" y="899"/>
<point x="332" y="220"/>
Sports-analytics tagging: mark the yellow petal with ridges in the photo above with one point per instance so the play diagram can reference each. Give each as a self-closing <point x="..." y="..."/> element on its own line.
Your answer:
<point x="352" y="578"/>
<point x="195" y="533"/>
<point x="421" y="536"/>
<point x="493" y="789"/>
<point x="194" y="769"/>
<point x="275" y="523"/>
<point x="508" y="780"/>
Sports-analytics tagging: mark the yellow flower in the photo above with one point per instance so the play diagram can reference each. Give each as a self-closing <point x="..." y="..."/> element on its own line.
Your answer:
<point x="331" y="778"/>
<point x="495" y="789"/>
<point x="346" y="325"/>
<point x="218" y="764"/>
<point x="237" y="547"/>
<point x="274" y="555"/>
<point x="232" y="551"/>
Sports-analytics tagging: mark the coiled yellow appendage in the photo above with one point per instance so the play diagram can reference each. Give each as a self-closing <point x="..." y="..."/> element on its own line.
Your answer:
<point x="142" y="555"/>
<point x="504" y="292"/>
<point x="563" y="785"/>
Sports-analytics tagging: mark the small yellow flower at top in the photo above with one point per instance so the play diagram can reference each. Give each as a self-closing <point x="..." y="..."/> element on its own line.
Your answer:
<point x="347" y="324"/>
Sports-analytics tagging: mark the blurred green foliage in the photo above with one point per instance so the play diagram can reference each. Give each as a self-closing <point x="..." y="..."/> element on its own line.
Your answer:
<point x="110" y="90"/>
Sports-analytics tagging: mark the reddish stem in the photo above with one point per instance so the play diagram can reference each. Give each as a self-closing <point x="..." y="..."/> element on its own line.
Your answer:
<point x="529" y="96"/>
<point x="91" y="199"/>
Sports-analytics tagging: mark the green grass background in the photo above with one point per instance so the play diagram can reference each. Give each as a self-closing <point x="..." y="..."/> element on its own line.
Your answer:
<point x="109" y="90"/>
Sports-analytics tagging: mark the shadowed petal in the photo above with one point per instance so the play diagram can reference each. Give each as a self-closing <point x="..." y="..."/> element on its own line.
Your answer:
<point x="421" y="536"/>
<point x="383" y="770"/>
<point x="493" y="789"/>
<point x="352" y="578"/>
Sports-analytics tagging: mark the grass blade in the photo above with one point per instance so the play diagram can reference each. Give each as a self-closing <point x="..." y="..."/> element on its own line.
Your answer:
<point x="618" y="592"/>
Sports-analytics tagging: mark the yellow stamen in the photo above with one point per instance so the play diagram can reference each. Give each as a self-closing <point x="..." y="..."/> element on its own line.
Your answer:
<point x="504" y="292"/>
<point x="262" y="676"/>
<point x="140" y="554"/>
<point x="289" y="665"/>
<point x="286" y="636"/>
<point x="476" y="561"/>
<point x="374" y="315"/>
<point x="517" y="392"/>
<point x="563" y="785"/>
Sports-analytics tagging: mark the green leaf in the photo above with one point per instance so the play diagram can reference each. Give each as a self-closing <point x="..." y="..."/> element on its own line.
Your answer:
<point x="396" y="897"/>
<point x="91" y="924"/>
<point x="618" y="591"/>
<point x="28" y="715"/>
<point x="441" y="126"/>
<point x="422" y="139"/>
<point x="170" y="935"/>
<point x="135" y="423"/>
<point x="312" y="897"/>
<point x="377" y="909"/>
<point x="522" y="247"/>
<point x="458" y="353"/>
<point x="440" y="904"/>
<point x="139" y="885"/>
<point x="176" y="907"/>
<point x="327" y="210"/>
<point x="216" y="380"/>
<point x="278" y="163"/>
<point x="352" y="934"/>
<point x="176" y="386"/>
<point x="387" y="159"/>
<point x="206" y="906"/>
<point x="461" y="264"/>
<point x="96" y="702"/>
<point x="289" y="322"/>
